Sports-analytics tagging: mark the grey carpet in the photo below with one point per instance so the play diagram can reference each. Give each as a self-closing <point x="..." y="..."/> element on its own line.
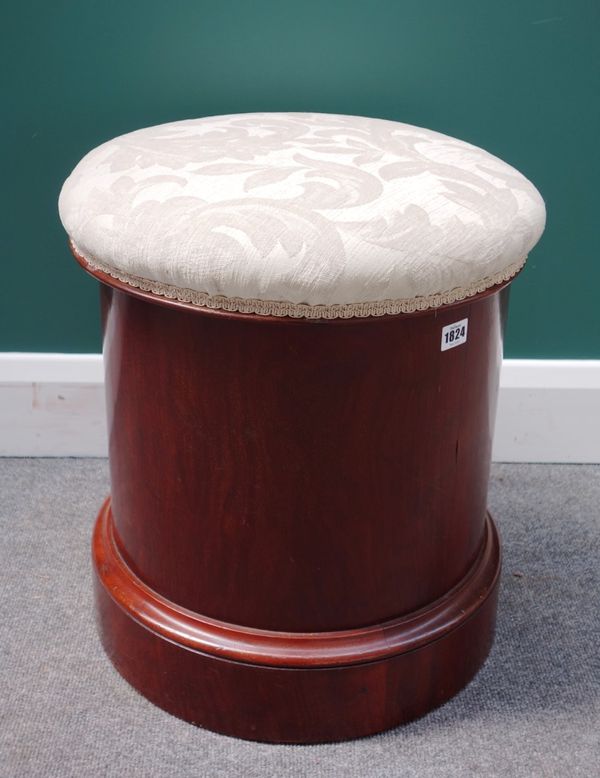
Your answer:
<point x="533" y="710"/>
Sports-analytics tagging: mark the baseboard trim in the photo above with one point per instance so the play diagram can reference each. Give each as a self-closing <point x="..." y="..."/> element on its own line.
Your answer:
<point x="548" y="411"/>
<point x="53" y="405"/>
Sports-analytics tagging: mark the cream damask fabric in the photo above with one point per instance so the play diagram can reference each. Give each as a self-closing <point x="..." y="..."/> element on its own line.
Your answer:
<point x="301" y="214"/>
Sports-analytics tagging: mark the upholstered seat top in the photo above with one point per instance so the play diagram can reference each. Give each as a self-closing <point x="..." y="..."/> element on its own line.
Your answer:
<point x="301" y="214"/>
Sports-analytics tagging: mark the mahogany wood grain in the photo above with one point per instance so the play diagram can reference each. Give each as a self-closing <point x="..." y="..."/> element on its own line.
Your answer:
<point x="291" y="704"/>
<point x="292" y="649"/>
<point x="296" y="547"/>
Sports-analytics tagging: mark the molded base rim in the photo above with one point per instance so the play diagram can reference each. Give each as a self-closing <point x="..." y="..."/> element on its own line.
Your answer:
<point x="293" y="687"/>
<point x="292" y="649"/>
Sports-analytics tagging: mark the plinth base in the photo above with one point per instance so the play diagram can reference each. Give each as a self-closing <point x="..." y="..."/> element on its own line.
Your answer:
<point x="293" y="687"/>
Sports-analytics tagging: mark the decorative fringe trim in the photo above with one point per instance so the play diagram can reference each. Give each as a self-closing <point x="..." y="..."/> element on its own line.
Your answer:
<point x="304" y="310"/>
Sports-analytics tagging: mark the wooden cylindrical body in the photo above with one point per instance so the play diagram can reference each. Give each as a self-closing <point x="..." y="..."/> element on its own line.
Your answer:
<point x="297" y="547"/>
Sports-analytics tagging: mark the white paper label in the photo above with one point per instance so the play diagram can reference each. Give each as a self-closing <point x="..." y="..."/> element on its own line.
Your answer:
<point x="454" y="334"/>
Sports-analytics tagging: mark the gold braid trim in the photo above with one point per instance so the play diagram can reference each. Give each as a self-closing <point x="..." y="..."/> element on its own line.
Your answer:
<point x="303" y="310"/>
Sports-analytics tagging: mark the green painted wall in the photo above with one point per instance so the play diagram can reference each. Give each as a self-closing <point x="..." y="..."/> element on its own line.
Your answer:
<point x="519" y="77"/>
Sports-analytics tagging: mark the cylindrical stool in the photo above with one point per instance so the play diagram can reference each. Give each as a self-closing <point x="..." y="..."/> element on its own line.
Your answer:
<point x="303" y="319"/>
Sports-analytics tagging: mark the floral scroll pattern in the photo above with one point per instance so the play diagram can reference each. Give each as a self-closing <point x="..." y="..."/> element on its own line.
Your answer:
<point x="300" y="209"/>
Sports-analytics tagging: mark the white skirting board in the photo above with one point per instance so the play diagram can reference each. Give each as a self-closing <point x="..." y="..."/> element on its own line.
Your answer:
<point x="53" y="405"/>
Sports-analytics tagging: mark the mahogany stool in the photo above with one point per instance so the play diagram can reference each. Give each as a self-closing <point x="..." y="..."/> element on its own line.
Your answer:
<point x="302" y="318"/>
